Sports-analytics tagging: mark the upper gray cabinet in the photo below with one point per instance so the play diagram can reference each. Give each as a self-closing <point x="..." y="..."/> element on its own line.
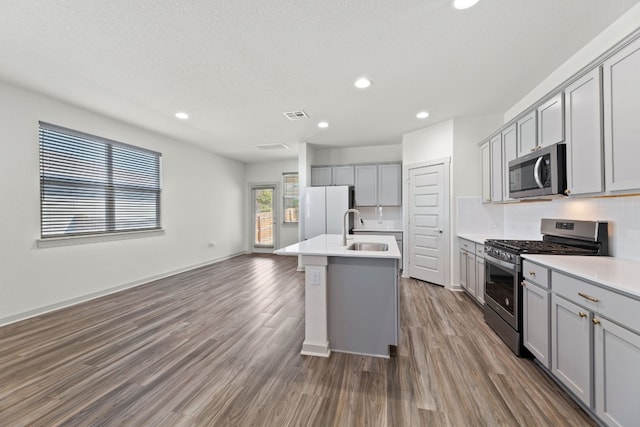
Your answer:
<point x="583" y="114"/>
<point x="389" y="184"/>
<point x="527" y="133"/>
<point x="343" y="175"/>
<point x="366" y="185"/>
<point x="551" y="121"/>
<point x="378" y="185"/>
<point x="496" y="168"/>
<point x="509" y="152"/>
<point x="321" y="175"/>
<point x="332" y="175"/>
<point x="621" y="74"/>
<point x="485" y="151"/>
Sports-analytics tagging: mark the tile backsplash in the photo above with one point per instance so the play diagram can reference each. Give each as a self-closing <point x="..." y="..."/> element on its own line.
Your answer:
<point x="522" y="220"/>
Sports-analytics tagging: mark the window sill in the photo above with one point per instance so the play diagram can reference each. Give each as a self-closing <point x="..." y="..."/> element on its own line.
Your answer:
<point x="80" y="240"/>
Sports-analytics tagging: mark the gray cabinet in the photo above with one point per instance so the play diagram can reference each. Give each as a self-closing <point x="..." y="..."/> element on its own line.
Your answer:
<point x="583" y="113"/>
<point x="321" y="176"/>
<point x="617" y="373"/>
<point x="472" y="268"/>
<point x="378" y="185"/>
<point x="527" y="133"/>
<point x="621" y="118"/>
<point x="366" y="185"/>
<point x="536" y="312"/>
<point x="571" y="344"/>
<point x="332" y="175"/>
<point x="509" y="152"/>
<point x="485" y="153"/>
<point x="496" y="168"/>
<point x="596" y="347"/>
<point x="551" y="121"/>
<point x="389" y="184"/>
<point x="343" y="175"/>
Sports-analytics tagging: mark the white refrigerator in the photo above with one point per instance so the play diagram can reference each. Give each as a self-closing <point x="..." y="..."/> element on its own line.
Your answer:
<point x="324" y="209"/>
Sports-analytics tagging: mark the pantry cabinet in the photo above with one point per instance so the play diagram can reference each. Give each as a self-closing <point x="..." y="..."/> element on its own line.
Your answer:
<point x="583" y="112"/>
<point x="621" y="119"/>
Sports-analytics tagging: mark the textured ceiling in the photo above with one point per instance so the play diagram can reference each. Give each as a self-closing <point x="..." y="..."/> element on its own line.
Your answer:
<point x="236" y="66"/>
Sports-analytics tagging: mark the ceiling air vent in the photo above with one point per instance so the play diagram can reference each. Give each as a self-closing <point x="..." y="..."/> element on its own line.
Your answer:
<point x="279" y="146"/>
<point x="296" y="115"/>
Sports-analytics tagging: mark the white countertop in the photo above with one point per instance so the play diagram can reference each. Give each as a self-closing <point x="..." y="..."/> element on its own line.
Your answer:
<point x="615" y="273"/>
<point x="479" y="238"/>
<point x="331" y="245"/>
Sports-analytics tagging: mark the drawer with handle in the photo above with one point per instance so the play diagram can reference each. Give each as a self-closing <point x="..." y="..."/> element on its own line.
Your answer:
<point x="535" y="273"/>
<point x="606" y="302"/>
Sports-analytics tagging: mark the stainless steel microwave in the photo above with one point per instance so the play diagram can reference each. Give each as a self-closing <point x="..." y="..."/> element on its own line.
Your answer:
<point x="542" y="173"/>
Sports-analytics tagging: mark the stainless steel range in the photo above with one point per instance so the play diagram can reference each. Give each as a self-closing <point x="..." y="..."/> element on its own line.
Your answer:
<point x="503" y="265"/>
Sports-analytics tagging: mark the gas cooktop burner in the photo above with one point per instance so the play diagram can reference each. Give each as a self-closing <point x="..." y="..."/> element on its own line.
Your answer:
<point x="538" y="246"/>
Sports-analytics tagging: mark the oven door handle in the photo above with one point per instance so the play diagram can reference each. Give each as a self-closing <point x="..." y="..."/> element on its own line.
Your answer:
<point x="507" y="265"/>
<point x="536" y="172"/>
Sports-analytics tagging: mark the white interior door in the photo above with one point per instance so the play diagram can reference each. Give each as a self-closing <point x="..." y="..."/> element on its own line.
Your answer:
<point x="429" y="223"/>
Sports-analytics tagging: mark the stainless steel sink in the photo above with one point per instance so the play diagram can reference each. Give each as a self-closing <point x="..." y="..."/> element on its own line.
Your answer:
<point x="366" y="246"/>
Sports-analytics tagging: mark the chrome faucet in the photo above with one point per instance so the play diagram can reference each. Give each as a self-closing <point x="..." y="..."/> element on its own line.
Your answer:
<point x="344" y="227"/>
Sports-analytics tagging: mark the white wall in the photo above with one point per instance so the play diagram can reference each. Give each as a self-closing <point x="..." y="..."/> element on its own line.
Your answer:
<point x="369" y="154"/>
<point x="203" y="198"/>
<point x="269" y="172"/>
<point x="617" y="31"/>
<point x="433" y="142"/>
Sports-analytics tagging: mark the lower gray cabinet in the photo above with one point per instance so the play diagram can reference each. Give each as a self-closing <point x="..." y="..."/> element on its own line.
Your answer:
<point x="617" y="373"/>
<point x="571" y="344"/>
<point x="535" y="307"/>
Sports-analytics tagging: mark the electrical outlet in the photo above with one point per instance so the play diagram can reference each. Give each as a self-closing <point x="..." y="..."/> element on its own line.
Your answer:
<point x="314" y="277"/>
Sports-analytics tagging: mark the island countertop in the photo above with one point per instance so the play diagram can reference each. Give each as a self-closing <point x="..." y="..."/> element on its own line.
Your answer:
<point x="331" y="245"/>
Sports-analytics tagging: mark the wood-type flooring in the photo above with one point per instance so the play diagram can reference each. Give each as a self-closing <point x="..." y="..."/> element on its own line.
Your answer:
<point x="220" y="345"/>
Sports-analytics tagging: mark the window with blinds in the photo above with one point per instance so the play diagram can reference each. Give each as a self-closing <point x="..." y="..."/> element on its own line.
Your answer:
<point x="290" y="194"/>
<point x="91" y="185"/>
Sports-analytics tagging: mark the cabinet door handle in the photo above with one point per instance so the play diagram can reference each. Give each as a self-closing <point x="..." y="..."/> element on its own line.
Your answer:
<point x="523" y="284"/>
<point x="582" y="314"/>
<point x="589" y="297"/>
<point x="595" y="321"/>
<point x="532" y="273"/>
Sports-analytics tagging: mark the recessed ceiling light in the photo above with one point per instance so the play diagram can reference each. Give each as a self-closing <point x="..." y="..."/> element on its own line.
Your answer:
<point x="182" y="115"/>
<point x="323" y="125"/>
<point x="362" y="83"/>
<point x="422" y="115"/>
<point x="463" y="4"/>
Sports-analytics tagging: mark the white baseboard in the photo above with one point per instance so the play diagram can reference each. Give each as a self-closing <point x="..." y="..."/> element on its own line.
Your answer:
<point x="88" y="297"/>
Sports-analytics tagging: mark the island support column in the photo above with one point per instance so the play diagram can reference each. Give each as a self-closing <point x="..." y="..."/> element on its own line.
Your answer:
<point x="316" y="335"/>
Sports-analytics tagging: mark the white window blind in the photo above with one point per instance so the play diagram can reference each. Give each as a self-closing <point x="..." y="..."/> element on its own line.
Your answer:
<point x="291" y="196"/>
<point x="92" y="185"/>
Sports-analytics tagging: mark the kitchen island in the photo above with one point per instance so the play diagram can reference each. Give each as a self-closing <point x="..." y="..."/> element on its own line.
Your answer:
<point x="351" y="296"/>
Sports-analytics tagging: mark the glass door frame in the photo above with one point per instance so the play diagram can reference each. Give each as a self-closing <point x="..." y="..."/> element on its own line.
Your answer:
<point x="275" y="202"/>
